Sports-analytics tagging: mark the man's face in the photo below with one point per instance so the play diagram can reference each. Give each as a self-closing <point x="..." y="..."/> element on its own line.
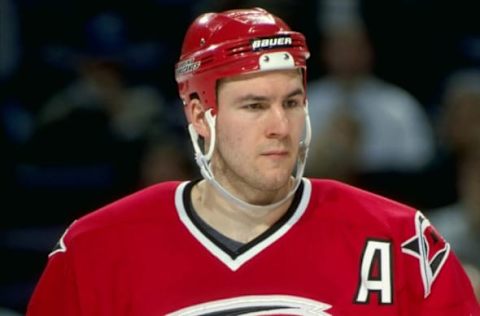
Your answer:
<point x="260" y="122"/>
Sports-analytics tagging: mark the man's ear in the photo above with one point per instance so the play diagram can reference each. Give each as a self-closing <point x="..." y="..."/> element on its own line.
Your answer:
<point x="197" y="116"/>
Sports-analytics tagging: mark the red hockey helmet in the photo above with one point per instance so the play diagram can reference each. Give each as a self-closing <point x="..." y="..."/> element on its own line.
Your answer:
<point x="230" y="43"/>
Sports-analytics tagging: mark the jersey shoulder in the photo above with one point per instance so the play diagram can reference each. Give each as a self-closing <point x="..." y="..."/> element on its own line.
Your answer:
<point x="357" y="207"/>
<point x="144" y="206"/>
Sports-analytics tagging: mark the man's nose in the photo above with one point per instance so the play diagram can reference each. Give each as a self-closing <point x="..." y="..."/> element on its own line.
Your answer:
<point x="278" y="122"/>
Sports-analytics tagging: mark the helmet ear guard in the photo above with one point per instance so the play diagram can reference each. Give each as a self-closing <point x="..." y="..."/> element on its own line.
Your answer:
<point x="232" y="43"/>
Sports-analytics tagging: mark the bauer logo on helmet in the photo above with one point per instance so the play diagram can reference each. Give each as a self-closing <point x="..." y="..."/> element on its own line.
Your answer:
<point x="271" y="42"/>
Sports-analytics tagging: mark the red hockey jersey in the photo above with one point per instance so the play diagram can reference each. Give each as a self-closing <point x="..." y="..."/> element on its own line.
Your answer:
<point x="338" y="251"/>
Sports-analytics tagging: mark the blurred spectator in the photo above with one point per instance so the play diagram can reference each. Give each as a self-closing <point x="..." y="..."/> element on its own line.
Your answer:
<point x="101" y="87"/>
<point x="459" y="128"/>
<point x="102" y="84"/>
<point x="459" y="114"/>
<point x="456" y="120"/>
<point x="364" y="128"/>
<point x="459" y="222"/>
<point x="90" y="133"/>
<point x="459" y="133"/>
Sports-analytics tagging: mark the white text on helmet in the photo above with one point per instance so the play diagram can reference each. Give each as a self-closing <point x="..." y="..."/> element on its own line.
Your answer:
<point x="271" y="42"/>
<point x="186" y="66"/>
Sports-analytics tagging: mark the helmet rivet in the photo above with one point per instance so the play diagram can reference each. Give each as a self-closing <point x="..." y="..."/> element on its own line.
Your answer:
<point x="286" y="57"/>
<point x="266" y="59"/>
<point x="202" y="41"/>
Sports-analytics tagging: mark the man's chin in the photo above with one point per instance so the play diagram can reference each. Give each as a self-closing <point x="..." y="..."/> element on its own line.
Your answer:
<point x="275" y="182"/>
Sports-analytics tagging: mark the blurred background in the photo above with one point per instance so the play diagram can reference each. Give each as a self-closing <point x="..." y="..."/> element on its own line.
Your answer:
<point x="89" y="111"/>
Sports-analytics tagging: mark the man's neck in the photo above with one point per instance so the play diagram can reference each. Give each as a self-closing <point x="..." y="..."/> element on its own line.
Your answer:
<point x="232" y="220"/>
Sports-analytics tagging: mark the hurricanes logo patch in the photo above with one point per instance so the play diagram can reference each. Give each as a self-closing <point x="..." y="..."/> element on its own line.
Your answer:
<point x="271" y="42"/>
<point x="257" y="305"/>
<point x="429" y="247"/>
<point x="186" y="66"/>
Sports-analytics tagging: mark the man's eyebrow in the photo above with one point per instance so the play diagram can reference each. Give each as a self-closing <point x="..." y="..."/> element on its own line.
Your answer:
<point x="254" y="97"/>
<point x="250" y="98"/>
<point x="296" y="92"/>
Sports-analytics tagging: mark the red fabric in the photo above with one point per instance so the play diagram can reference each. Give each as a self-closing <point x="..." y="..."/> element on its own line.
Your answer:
<point x="136" y="257"/>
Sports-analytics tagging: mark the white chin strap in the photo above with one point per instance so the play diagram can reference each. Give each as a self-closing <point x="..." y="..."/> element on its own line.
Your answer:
<point x="203" y="162"/>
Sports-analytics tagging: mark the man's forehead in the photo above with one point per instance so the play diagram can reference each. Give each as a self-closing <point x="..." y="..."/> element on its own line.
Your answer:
<point x="246" y="87"/>
<point x="260" y="74"/>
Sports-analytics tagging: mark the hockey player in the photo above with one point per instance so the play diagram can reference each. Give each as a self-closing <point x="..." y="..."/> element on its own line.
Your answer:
<point x="253" y="237"/>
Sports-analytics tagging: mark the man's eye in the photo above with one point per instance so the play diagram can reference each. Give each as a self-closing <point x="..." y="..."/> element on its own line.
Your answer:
<point x="253" y="106"/>
<point x="291" y="104"/>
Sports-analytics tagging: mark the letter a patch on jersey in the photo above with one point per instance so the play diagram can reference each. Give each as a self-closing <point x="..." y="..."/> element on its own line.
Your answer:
<point x="429" y="247"/>
<point x="376" y="272"/>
